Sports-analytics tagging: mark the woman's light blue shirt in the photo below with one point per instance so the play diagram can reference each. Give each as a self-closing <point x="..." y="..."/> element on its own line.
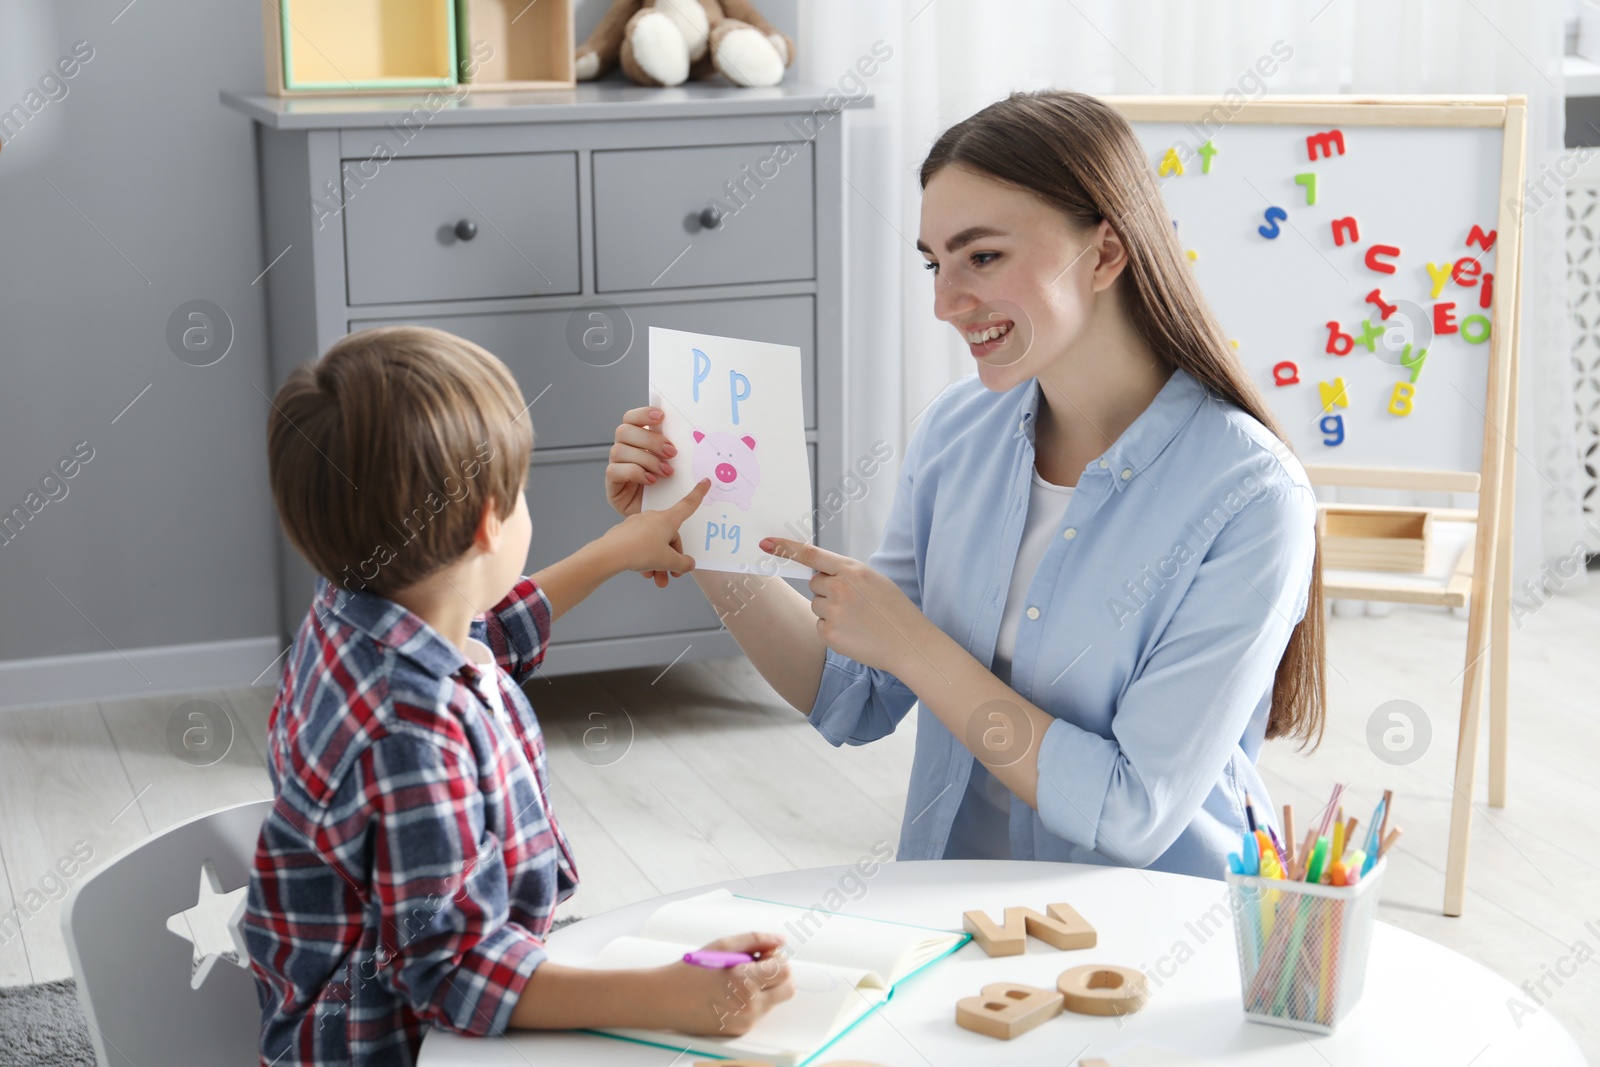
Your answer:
<point x="1164" y="605"/>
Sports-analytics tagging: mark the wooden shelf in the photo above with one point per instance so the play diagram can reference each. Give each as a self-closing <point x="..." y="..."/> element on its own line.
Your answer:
<point x="358" y="46"/>
<point x="515" y="45"/>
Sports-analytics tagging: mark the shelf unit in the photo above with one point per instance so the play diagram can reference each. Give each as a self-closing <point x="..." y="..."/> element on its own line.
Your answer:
<point x="364" y="47"/>
<point x="515" y="45"/>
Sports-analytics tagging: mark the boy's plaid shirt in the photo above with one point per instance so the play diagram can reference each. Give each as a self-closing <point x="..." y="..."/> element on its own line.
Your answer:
<point x="407" y="872"/>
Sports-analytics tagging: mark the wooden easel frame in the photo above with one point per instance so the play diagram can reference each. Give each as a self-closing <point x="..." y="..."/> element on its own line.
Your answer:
<point x="1488" y="586"/>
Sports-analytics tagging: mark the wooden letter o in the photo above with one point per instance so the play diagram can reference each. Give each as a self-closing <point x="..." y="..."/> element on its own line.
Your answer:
<point x="1103" y="989"/>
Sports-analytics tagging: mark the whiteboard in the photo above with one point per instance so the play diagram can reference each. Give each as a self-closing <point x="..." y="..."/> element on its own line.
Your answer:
<point x="1418" y="189"/>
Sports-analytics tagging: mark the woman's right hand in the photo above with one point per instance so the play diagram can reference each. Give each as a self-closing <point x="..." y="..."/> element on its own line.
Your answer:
<point x="639" y="454"/>
<point x="725" y="1003"/>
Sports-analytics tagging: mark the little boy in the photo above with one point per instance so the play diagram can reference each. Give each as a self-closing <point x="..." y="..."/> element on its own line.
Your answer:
<point x="408" y="871"/>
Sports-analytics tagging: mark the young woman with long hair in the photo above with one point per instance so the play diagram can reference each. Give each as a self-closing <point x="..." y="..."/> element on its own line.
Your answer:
<point x="1100" y="579"/>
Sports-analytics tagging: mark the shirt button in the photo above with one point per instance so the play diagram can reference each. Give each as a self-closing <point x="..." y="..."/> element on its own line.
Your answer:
<point x="1033" y="613"/>
<point x="1070" y="532"/>
<point x="1104" y="465"/>
<point x="1126" y="473"/>
<point x="1022" y="427"/>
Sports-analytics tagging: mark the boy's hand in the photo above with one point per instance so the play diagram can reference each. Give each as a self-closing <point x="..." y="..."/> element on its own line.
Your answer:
<point x="638" y="456"/>
<point x="694" y="1000"/>
<point x="648" y="540"/>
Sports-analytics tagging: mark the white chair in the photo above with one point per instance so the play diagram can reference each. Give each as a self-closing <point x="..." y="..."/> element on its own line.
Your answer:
<point x="144" y="1001"/>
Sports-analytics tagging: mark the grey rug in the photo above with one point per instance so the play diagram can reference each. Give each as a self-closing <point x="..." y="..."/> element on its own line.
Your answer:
<point x="42" y="1025"/>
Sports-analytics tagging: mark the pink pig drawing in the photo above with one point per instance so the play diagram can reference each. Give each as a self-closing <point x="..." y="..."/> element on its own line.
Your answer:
<point x="730" y="463"/>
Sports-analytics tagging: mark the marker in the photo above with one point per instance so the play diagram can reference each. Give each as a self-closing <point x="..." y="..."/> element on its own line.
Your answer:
<point x="1319" y="858"/>
<point x="712" y="960"/>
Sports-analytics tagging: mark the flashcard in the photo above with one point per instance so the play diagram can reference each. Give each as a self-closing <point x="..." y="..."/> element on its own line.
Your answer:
<point x="734" y="410"/>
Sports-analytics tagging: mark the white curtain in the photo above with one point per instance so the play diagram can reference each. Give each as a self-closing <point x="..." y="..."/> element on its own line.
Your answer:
<point x="951" y="57"/>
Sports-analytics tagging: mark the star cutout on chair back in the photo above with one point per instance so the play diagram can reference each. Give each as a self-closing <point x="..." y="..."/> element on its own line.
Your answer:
<point x="213" y="926"/>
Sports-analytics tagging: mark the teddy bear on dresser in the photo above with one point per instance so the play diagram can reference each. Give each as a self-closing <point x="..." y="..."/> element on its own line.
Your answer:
<point x="667" y="42"/>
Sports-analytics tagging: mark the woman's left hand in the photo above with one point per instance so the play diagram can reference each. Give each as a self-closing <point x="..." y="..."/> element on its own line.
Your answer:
<point x="860" y="613"/>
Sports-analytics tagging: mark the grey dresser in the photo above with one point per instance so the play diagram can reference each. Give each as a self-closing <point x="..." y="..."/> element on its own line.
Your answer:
<point x="554" y="229"/>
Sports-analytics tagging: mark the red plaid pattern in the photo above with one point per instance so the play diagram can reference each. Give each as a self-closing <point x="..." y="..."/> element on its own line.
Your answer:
<point x="410" y="866"/>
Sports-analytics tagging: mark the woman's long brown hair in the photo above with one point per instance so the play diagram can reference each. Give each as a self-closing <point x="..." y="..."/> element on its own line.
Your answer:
<point x="1081" y="156"/>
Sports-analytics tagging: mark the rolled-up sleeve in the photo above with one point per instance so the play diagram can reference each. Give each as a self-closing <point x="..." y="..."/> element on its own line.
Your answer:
<point x="1129" y="796"/>
<point x="446" y="944"/>
<point x="856" y="704"/>
<point x="517" y="630"/>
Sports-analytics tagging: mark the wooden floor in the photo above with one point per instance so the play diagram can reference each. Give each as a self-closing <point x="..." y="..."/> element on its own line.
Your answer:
<point x="670" y="780"/>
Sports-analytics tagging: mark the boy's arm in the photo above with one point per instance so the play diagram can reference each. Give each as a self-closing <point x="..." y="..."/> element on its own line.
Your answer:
<point x="447" y="941"/>
<point x="568" y="582"/>
<point x="645" y="541"/>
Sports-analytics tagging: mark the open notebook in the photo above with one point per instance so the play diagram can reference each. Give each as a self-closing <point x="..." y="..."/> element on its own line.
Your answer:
<point x="844" y="967"/>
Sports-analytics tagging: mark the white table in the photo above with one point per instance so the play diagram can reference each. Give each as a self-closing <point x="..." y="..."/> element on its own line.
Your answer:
<point x="1423" y="1004"/>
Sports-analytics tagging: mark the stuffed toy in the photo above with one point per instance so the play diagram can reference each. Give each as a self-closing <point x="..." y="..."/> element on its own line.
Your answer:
<point x="667" y="42"/>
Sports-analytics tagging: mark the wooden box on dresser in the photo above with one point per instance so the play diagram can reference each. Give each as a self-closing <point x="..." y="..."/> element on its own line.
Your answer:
<point x="554" y="228"/>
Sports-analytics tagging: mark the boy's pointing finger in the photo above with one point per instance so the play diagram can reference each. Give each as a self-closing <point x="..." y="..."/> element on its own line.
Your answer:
<point x="681" y="511"/>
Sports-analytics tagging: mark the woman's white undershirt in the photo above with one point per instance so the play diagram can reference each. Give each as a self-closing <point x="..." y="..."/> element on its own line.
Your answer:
<point x="982" y="825"/>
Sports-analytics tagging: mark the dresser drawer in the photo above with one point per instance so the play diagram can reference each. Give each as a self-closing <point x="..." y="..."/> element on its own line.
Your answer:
<point x="580" y="402"/>
<point x="463" y="227"/>
<point x="648" y="205"/>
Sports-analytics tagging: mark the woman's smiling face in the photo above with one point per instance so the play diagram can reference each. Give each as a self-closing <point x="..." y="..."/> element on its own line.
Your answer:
<point x="1012" y="273"/>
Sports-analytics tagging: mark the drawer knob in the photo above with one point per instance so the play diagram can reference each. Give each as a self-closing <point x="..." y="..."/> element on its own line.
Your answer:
<point x="711" y="218"/>
<point x="466" y="230"/>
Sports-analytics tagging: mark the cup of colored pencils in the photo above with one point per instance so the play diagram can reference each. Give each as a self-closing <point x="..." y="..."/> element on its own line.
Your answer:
<point x="1303" y="912"/>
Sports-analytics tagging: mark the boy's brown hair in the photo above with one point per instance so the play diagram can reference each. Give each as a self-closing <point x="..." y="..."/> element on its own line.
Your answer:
<point x="384" y="451"/>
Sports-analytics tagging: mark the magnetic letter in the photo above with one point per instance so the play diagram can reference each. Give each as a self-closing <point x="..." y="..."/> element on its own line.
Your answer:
<point x="1475" y="325"/>
<point x="1207" y="150"/>
<point x="1440" y="273"/>
<point x="1274" y="215"/>
<point x="1381" y="250"/>
<point x="1444" y="318"/>
<point x="1376" y="297"/>
<point x="1322" y="141"/>
<point x="736" y="394"/>
<point x="702" y="371"/>
<point x="1285" y="373"/>
<point x="1333" y="424"/>
<point x="1346" y="228"/>
<point x="1333" y="394"/>
<point x="1481" y="239"/>
<point x="1309" y="180"/>
<point x="1465" y="272"/>
<point x="1486" y="293"/>
<point x="1170" y="163"/>
<point x="1400" y="399"/>
<point x="1339" y="342"/>
<point x="1413" y="363"/>
<point x="1370" y="332"/>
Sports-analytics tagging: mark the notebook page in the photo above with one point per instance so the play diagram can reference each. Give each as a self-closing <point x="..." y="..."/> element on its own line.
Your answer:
<point x="826" y="1000"/>
<point x="886" y="949"/>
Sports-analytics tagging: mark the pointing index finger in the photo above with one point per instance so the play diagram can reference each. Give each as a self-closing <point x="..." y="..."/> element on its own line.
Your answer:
<point x="685" y="507"/>
<point x="818" y="559"/>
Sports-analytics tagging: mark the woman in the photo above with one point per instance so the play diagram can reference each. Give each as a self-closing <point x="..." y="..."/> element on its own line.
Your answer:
<point x="1100" y="577"/>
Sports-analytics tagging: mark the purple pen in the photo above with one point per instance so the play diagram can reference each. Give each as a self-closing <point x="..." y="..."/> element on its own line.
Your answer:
<point x="713" y="960"/>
